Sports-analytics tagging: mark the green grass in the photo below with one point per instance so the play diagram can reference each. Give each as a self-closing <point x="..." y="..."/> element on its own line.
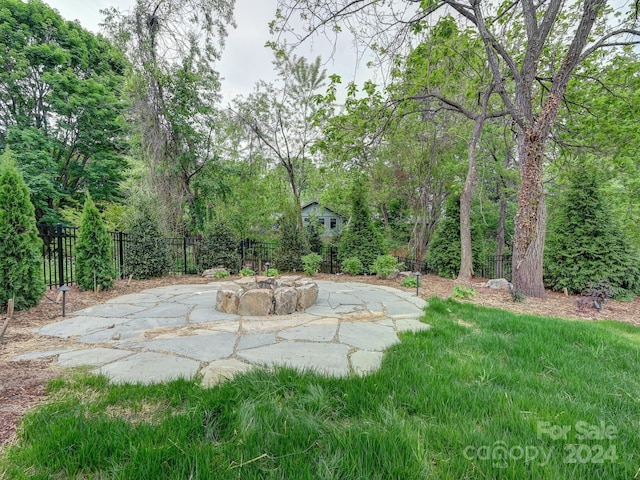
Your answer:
<point x="467" y="399"/>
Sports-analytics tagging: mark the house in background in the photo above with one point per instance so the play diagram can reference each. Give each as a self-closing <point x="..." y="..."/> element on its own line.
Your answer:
<point x="332" y="221"/>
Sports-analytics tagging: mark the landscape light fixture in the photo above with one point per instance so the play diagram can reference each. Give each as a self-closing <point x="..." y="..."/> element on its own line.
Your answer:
<point x="64" y="289"/>
<point x="417" y="284"/>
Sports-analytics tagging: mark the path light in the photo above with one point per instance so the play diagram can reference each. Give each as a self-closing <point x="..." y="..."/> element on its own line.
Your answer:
<point x="417" y="284"/>
<point x="64" y="289"/>
<point x="266" y="268"/>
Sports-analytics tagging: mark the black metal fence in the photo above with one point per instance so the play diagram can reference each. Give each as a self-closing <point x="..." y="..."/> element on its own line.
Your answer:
<point x="58" y="256"/>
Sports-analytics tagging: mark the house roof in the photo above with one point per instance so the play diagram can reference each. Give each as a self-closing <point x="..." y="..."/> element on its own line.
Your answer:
<point x="315" y="202"/>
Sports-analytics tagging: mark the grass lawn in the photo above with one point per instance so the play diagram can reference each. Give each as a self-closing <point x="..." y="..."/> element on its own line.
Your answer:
<point x="483" y="394"/>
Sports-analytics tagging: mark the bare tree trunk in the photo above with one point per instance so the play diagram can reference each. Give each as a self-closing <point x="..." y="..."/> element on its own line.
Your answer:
<point x="531" y="220"/>
<point x="500" y="234"/>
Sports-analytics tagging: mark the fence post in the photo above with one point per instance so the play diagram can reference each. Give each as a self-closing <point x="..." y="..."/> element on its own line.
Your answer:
<point x="121" y="253"/>
<point x="184" y="253"/>
<point x="60" y="255"/>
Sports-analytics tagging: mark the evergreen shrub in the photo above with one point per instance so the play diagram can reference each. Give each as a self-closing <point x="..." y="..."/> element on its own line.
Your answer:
<point x="94" y="268"/>
<point x="292" y="246"/>
<point x="586" y="244"/>
<point x="21" y="277"/>
<point x="147" y="254"/>
<point x="218" y="248"/>
<point x="352" y="266"/>
<point x="360" y="238"/>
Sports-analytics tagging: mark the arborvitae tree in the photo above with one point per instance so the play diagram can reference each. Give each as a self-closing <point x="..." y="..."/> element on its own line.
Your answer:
<point x="21" y="275"/>
<point x="444" y="251"/>
<point x="147" y="251"/>
<point x="360" y="238"/>
<point x="585" y="244"/>
<point x="94" y="268"/>
<point x="292" y="246"/>
<point x="218" y="247"/>
<point x="314" y="231"/>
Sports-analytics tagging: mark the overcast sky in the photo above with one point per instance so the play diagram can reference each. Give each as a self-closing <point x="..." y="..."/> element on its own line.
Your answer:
<point x="245" y="59"/>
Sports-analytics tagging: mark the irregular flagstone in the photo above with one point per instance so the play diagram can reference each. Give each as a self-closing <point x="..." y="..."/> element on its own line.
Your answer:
<point x="327" y="358"/>
<point x="164" y="310"/>
<point x="364" y="362"/>
<point x="39" y="355"/>
<point x="221" y="370"/>
<point x="253" y="340"/>
<point x="92" y="357"/>
<point x="367" y="336"/>
<point x="202" y="314"/>
<point x="80" y="325"/>
<point x="410" y="325"/>
<point x="110" y="310"/>
<point x="205" y="348"/>
<point x="134" y="299"/>
<point x="312" y="333"/>
<point x="148" y="368"/>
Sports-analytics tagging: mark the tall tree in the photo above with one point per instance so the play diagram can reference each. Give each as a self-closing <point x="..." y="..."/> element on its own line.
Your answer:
<point x="282" y="118"/>
<point x="61" y="106"/>
<point x="519" y="39"/>
<point x="173" y="87"/>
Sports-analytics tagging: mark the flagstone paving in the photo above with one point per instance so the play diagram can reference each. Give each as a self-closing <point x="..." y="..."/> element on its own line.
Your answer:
<point x="175" y="331"/>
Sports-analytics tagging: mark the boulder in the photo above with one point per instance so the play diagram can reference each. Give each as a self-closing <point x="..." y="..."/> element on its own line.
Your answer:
<point x="307" y="295"/>
<point x="285" y="300"/>
<point x="499" y="284"/>
<point x="228" y="299"/>
<point x="256" y="303"/>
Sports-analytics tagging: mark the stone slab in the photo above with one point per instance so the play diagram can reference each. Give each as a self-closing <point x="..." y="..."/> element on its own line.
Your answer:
<point x="81" y="325"/>
<point x="364" y="362"/>
<point x="253" y="340"/>
<point x="164" y="310"/>
<point x="325" y="358"/>
<point x="367" y="336"/>
<point x="203" y="314"/>
<point x="205" y="348"/>
<point x="39" y="355"/>
<point x="92" y="357"/>
<point x="311" y="333"/>
<point x="110" y="310"/>
<point x="148" y="368"/>
<point x="223" y="370"/>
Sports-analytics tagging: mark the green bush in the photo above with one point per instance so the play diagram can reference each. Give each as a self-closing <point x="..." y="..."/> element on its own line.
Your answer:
<point x="218" y="248"/>
<point x="94" y="268"/>
<point x="311" y="263"/>
<point x="292" y="246"/>
<point x="585" y="243"/>
<point x="352" y="265"/>
<point x="411" y="281"/>
<point x="221" y="274"/>
<point x="247" y="272"/>
<point x="271" y="272"/>
<point x="21" y="277"/>
<point x="464" y="292"/>
<point x="385" y="265"/>
<point x="147" y="252"/>
<point x="360" y="238"/>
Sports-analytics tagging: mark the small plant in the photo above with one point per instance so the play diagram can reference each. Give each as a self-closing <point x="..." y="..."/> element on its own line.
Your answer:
<point x="386" y="266"/>
<point x="247" y="272"/>
<point x="463" y="292"/>
<point x="352" y="265"/>
<point x="517" y="297"/>
<point x="410" y="281"/>
<point x="311" y="263"/>
<point x="271" y="272"/>
<point x="222" y="273"/>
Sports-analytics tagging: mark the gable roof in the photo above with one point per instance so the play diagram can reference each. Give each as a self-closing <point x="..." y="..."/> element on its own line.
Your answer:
<point x="315" y="202"/>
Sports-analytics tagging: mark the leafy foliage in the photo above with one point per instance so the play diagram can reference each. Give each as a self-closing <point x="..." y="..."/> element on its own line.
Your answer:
<point x="219" y="247"/>
<point x="21" y="250"/>
<point x="410" y="281"/>
<point x="311" y="263"/>
<point x="360" y="238"/>
<point x="463" y="292"/>
<point x="147" y="253"/>
<point x="247" y="272"/>
<point x="385" y="265"/>
<point x="292" y="246"/>
<point x="444" y="251"/>
<point x="585" y="242"/>
<point x="93" y="250"/>
<point x="352" y="265"/>
<point x="66" y="121"/>
<point x="314" y="230"/>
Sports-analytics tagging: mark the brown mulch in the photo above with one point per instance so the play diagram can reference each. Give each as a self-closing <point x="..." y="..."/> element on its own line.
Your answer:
<point x="23" y="383"/>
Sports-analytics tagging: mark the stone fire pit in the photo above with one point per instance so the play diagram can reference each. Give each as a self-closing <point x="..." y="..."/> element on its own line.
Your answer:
<point x="261" y="296"/>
